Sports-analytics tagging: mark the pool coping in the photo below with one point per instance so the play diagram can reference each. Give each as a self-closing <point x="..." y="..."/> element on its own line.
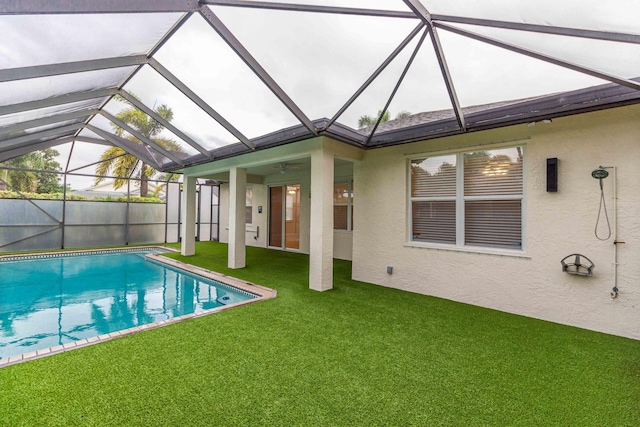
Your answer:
<point x="262" y="293"/>
<point x="60" y="253"/>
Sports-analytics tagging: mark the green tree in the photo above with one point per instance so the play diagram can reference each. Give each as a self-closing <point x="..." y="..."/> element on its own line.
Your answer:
<point x="128" y="165"/>
<point x="403" y="115"/>
<point x="49" y="182"/>
<point x="367" y="121"/>
<point x="30" y="181"/>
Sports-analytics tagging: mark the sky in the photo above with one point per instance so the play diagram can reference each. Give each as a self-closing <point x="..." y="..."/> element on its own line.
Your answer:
<point x="319" y="60"/>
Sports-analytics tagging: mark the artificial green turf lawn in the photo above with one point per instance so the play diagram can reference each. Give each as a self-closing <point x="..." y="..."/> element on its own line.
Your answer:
<point x="357" y="355"/>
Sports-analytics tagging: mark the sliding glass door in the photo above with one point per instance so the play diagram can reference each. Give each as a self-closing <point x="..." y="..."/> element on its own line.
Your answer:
<point x="284" y="216"/>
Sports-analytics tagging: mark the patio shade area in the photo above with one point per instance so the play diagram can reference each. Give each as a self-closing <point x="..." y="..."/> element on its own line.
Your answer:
<point x="360" y="355"/>
<point x="241" y="76"/>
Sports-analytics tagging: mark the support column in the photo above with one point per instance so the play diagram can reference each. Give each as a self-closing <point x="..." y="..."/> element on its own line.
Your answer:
<point x="188" y="213"/>
<point x="321" y="221"/>
<point x="237" y="217"/>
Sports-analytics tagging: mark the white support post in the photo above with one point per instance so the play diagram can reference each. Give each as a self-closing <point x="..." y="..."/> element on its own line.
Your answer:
<point x="321" y="227"/>
<point x="237" y="217"/>
<point x="188" y="214"/>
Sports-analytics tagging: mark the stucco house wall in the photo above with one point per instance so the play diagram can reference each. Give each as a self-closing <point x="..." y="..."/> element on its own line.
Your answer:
<point x="257" y="227"/>
<point x="528" y="282"/>
<point x="342" y="242"/>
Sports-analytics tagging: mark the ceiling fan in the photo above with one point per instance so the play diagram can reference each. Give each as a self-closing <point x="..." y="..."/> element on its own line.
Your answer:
<point x="284" y="167"/>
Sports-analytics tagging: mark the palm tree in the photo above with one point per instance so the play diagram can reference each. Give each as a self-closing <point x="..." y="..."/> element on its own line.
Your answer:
<point x="367" y="121"/>
<point x="127" y="165"/>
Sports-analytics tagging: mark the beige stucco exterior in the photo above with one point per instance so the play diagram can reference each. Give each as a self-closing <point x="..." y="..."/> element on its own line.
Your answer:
<point x="257" y="229"/>
<point x="528" y="282"/>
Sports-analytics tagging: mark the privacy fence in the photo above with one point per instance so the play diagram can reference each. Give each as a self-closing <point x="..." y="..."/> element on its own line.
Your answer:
<point x="27" y="223"/>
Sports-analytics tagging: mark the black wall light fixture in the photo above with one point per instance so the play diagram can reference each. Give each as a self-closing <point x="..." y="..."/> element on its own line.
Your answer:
<point x="552" y="175"/>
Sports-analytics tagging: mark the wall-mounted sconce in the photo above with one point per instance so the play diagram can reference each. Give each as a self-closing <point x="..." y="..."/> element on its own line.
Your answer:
<point x="552" y="175"/>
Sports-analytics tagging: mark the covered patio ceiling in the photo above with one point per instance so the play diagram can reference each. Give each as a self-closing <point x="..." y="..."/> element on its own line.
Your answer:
<point x="241" y="76"/>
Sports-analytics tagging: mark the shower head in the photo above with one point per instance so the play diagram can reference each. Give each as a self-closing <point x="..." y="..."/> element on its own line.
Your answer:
<point x="600" y="173"/>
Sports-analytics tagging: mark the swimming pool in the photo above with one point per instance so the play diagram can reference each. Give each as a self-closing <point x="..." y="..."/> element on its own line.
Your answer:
<point x="53" y="302"/>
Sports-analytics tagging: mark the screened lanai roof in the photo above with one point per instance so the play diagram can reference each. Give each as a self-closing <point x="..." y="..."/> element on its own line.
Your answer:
<point x="244" y="75"/>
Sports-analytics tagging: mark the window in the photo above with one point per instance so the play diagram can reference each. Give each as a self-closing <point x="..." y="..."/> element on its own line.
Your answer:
<point x="343" y="205"/>
<point x="249" y="203"/>
<point x="468" y="199"/>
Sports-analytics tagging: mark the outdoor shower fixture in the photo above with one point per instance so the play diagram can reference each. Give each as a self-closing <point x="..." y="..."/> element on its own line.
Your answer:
<point x="581" y="265"/>
<point x="574" y="264"/>
<point x="600" y="174"/>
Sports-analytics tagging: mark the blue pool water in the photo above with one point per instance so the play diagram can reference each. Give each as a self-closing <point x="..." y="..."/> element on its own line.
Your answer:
<point x="53" y="301"/>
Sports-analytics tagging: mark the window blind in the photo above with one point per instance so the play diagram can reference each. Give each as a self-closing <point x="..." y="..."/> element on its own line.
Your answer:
<point x="434" y="177"/>
<point x="342" y="202"/>
<point x="340" y="217"/>
<point x="495" y="223"/>
<point x="341" y="192"/>
<point x="434" y="221"/>
<point x="490" y="194"/>
<point x="493" y="174"/>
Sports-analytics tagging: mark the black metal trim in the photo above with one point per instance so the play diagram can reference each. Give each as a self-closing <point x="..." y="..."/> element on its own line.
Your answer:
<point x="311" y="8"/>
